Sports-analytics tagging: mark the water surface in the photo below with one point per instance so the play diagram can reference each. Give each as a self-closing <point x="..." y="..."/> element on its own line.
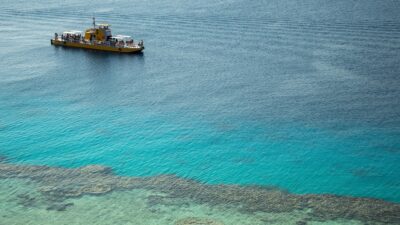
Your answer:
<point x="302" y="96"/>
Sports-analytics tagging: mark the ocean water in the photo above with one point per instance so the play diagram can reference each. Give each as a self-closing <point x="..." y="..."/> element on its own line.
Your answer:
<point x="303" y="96"/>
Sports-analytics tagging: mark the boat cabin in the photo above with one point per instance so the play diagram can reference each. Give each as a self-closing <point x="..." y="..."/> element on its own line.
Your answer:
<point x="100" y="33"/>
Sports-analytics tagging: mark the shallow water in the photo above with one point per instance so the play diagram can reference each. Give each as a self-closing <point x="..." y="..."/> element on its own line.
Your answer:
<point x="60" y="194"/>
<point x="130" y="207"/>
<point x="301" y="96"/>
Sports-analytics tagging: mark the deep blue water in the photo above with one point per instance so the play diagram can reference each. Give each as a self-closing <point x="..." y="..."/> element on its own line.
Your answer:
<point x="304" y="96"/>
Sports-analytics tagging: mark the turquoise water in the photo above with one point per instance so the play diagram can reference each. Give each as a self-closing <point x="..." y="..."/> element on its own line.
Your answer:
<point x="299" y="96"/>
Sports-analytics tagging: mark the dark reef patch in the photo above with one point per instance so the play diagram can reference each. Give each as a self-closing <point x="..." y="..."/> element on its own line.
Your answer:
<point x="26" y="200"/>
<point x="243" y="160"/>
<point x="59" y="206"/>
<point x="3" y="159"/>
<point x="197" y="221"/>
<point x="301" y="222"/>
<point x="156" y="200"/>
<point x="365" y="172"/>
<point x="58" y="184"/>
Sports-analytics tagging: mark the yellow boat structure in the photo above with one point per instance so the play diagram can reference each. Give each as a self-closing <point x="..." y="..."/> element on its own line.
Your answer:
<point x="98" y="38"/>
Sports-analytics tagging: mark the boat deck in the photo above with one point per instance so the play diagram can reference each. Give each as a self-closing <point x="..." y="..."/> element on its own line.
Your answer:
<point x="97" y="45"/>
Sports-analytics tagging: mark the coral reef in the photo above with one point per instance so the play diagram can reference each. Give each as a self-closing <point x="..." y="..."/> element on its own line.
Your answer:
<point x="59" y="206"/>
<point x="3" y="159"/>
<point x="197" y="221"/>
<point x="58" y="184"/>
<point x="26" y="200"/>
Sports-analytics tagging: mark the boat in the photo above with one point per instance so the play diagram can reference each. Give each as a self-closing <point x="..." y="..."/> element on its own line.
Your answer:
<point x="98" y="38"/>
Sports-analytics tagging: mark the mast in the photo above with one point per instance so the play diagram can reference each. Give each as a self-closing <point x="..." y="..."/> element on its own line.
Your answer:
<point x="94" y="22"/>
